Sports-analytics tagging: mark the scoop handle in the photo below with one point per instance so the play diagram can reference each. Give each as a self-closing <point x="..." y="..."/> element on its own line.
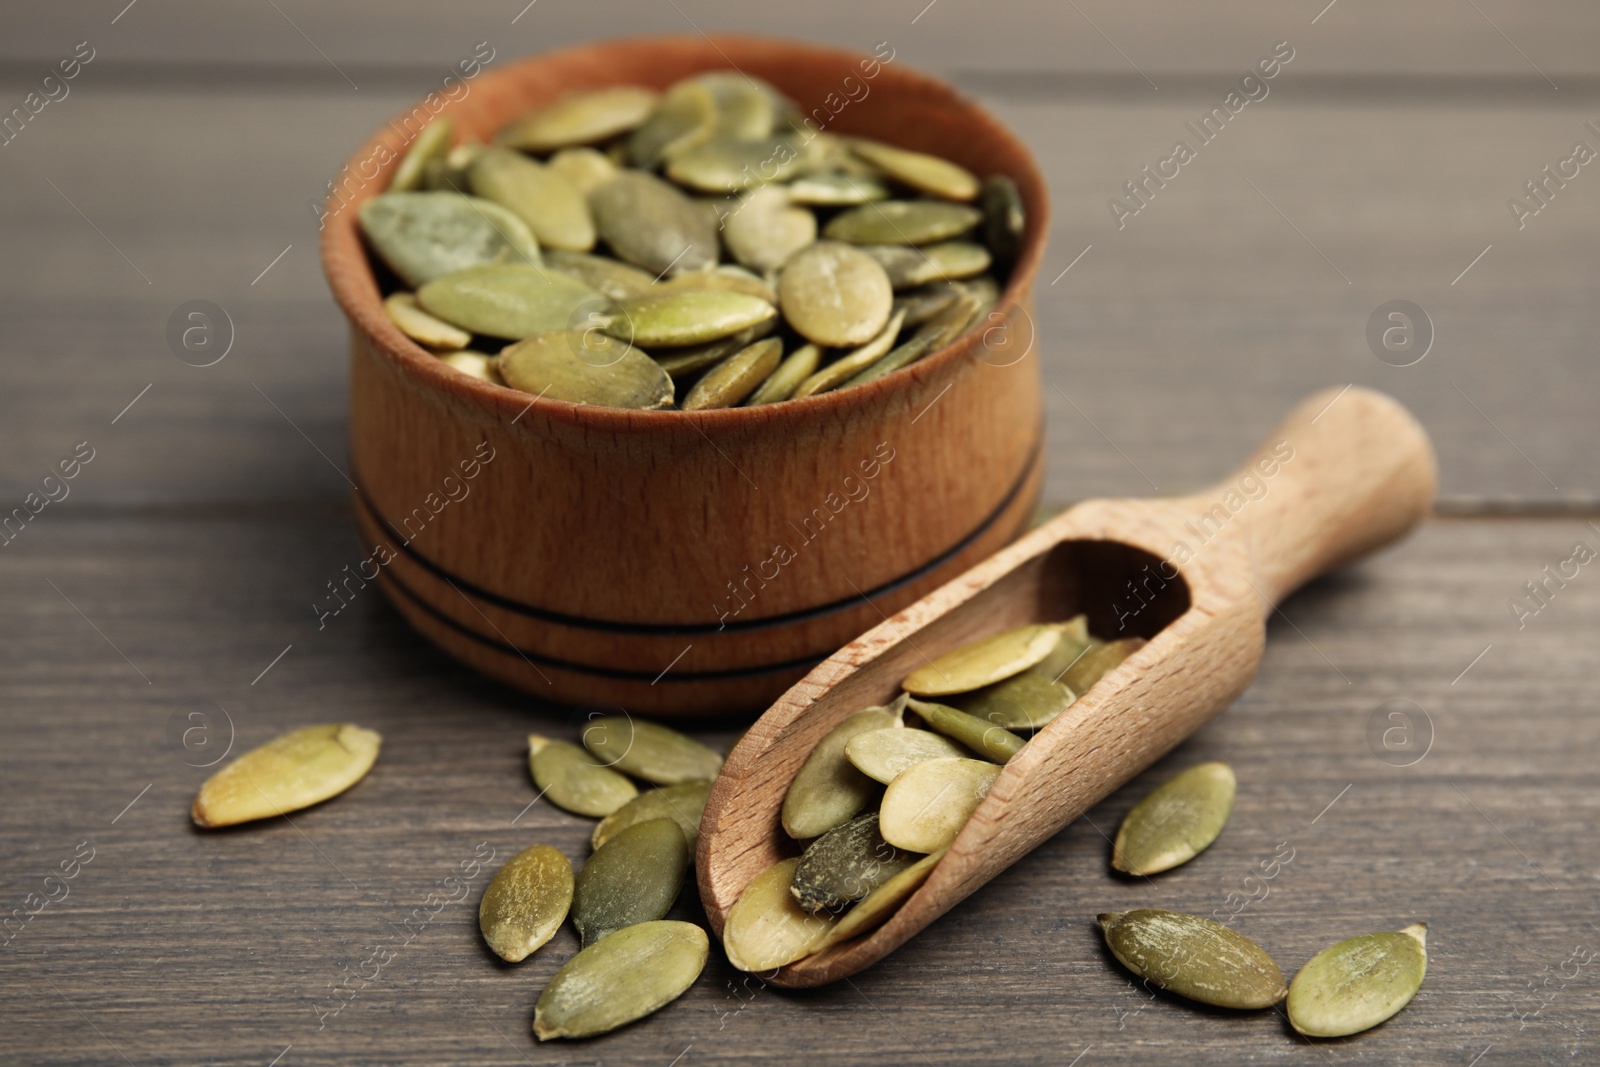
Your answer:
<point x="1347" y="471"/>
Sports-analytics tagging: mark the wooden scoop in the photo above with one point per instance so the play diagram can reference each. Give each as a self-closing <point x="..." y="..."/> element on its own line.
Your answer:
<point x="1347" y="471"/>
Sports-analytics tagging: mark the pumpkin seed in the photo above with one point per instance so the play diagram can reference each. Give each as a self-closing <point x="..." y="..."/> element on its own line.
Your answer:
<point x="553" y="208"/>
<point x="925" y="173"/>
<point x="581" y="118"/>
<point x="984" y="662"/>
<point x="767" y="928"/>
<point x="526" y="902"/>
<point x="609" y="278"/>
<point x="796" y="368"/>
<point x="931" y="336"/>
<point x="883" y="754"/>
<point x="584" y="168"/>
<point x="766" y="229"/>
<point x="1098" y="661"/>
<point x="726" y="277"/>
<point x="1176" y="822"/>
<point x="994" y="743"/>
<point x="683" y="803"/>
<point x="421" y="326"/>
<point x="735" y="378"/>
<point x="585" y="367"/>
<point x="685" y="116"/>
<point x="476" y="364"/>
<point x="926" y="805"/>
<point x="423" y="236"/>
<point x="652" y="225"/>
<point x="687" y="317"/>
<point x="1025" y="701"/>
<point x="836" y="190"/>
<point x="747" y="108"/>
<point x="845" y="864"/>
<point x="902" y="222"/>
<point x="848" y="365"/>
<point x="511" y="300"/>
<point x="920" y="305"/>
<point x="569" y="777"/>
<point x="633" y="878"/>
<point x="637" y="971"/>
<point x="1003" y="218"/>
<point x="1075" y="641"/>
<point x="432" y="143"/>
<point x="834" y="294"/>
<point x="1357" y="984"/>
<point x="680" y="362"/>
<point x="449" y="172"/>
<point x="883" y="901"/>
<point x="1194" y="957"/>
<point x="294" y="771"/>
<point x="828" y="791"/>
<point x="650" y="751"/>
<point x="726" y="165"/>
<point x="948" y="260"/>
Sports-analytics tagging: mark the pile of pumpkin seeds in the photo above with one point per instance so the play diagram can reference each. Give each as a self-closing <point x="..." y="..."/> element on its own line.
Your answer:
<point x="703" y="247"/>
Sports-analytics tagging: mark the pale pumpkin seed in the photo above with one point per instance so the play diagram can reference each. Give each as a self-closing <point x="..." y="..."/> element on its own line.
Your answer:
<point x="652" y="225"/>
<point x="432" y="143"/>
<point x="633" y="878"/>
<point x="931" y="336"/>
<point x="925" y="173"/>
<point x="926" y="805"/>
<point x="680" y="362"/>
<point x="586" y="367"/>
<point x="883" y="754"/>
<point x="553" y="208"/>
<point x="836" y="190"/>
<point x="1194" y="957"/>
<point x="835" y="295"/>
<point x="476" y="364"/>
<point x="627" y="976"/>
<point x="725" y="277"/>
<point x="421" y="326"/>
<point x="902" y="222"/>
<point x="765" y="230"/>
<point x="608" y="277"/>
<point x="1075" y="641"/>
<point x="1357" y="984"/>
<point x="850" y="364"/>
<point x="584" y="168"/>
<point x="423" y="236"/>
<point x="571" y="779"/>
<point x="767" y="927"/>
<point x="946" y="261"/>
<point x="1003" y="218"/>
<point x="883" y="901"/>
<point x="650" y="751"/>
<point x="747" y="108"/>
<point x="845" y="864"/>
<point x="1025" y="701"/>
<point x="796" y="367"/>
<point x="294" y="771"/>
<point x="526" y="902"/>
<point x="683" y="803"/>
<point x="736" y="377"/>
<point x="685" y="116"/>
<point x="1176" y="822"/>
<point x="828" y="791"/>
<point x="687" y="316"/>
<point x="994" y="743"/>
<point x="726" y="165"/>
<point x="581" y="118"/>
<point x="1098" y="661"/>
<point x="984" y="662"/>
<point x="510" y="300"/>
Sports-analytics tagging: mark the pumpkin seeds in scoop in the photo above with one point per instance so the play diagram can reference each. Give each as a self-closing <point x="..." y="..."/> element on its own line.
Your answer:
<point x="766" y="229"/>
<point x="687" y="316"/>
<point x="835" y="295"/>
<point x="1194" y="957"/>
<point x="883" y="754"/>
<point x="294" y="771"/>
<point x="423" y="236"/>
<point x="627" y="976"/>
<point x="683" y="803"/>
<point x="526" y="902"/>
<point x="926" y="806"/>
<point x="650" y="751"/>
<point x="553" y="208"/>
<point x="1025" y="701"/>
<point x="730" y="381"/>
<point x="1098" y="661"/>
<point x="608" y="277"/>
<point x="994" y="743"/>
<point x="510" y="300"/>
<point x="586" y="367"/>
<point x="633" y="878"/>
<point x="902" y="222"/>
<point x="422" y="327"/>
<point x="984" y="662"/>
<point x="845" y="864"/>
<point x="850" y="364"/>
<point x="925" y="173"/>
<point x="883" y="901"/>
<point x="828" y="791"/>
<point x="767" y="927"/>
<point x="795" y="368"/>
<point x="570" y="778"/>
<point x="581" y="118"/>
<point x="1357" y="984"/>
<point x="432" y="143"/>
<point x="584" y="168"/>
<point x="1176" y="822"/>
<point x="652" y="225"/>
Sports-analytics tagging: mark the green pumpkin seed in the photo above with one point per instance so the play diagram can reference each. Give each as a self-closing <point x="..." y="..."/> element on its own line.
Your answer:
<point x="725" y="165"/>
<point x="511" y="300"/>
<point x="883" y="754"/>
<point x="552" y="207"/>
<point x="571" y="779"/>
<point x="984" y="662"/>
<point x="526" y="902"/>
<point x="294" y="771"/>
<point x="992" y="742"/>
<point x="683" y="803"/>
<point x="690" y="359"/>
<point x="925" y="173"/>
<point x="1025" y="701"/>
<point x="767" y="928"/>
<point x="735" y="378"/>
<point x="902" y="222"/>
<point x="637" y="971"/>
<point x="796" y="368"/>
<point x="652" y="225"/>
<point x="850" y="364"/>
<point x="926" y="805"/>
<point x="1357" y="984"/>
<point x="650" y="751"/>
<point x="633" y="878"/>
<point x="687" y="316"/>
<point x="883" y="901"/>
<point x="581" y="118"/>
<point x="948" y="260"/>
<point x="423" y="236"/>
<point x="686" y="116"/>
<point x="835" y="295"/>
<point x="476" y="364"/>
<point x="931" y="336"/>
<point x="586" y="367"/>
<point x="584" y="168"/>
<point x="1004" y="218"/>
<point x="432" y="143"/>
<point x="747" y="108"/>
<point x="845" y="864"/>
<point x="1176" y="822"/>
<point x="920" y="305"/>
<point x="1194" y="957"/>
<point x="448" y="173"/>
<point x="608" y="277"/>
<point x="836" y="190"/>
<point x="421" y="326"/>
<point x="727" y="278"/>
<point x="766" y="229"/>
<point x="1075" y="641"/>
<point x="828" y="791"/>
<point x="1098" y="661"/>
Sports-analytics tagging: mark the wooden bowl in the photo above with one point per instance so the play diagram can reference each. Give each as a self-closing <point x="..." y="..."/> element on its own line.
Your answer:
<point x="686" y="563"/>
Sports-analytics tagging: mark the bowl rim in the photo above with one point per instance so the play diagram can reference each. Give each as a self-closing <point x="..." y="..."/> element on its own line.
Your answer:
<point x="355" y="288"/>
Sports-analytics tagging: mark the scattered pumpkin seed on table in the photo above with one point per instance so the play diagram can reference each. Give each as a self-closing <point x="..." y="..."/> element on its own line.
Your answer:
<point x="526" y="902"/>
<point x="1194" y="957"/>
<point x="633" y="878"/>
<point x="649" y="750"/>
<point x="294" y="771"/>
<point x="1177" y="821"/>
<point x="1359" y="983"/>
<point x="683" y="803"/>
<point x="632" y="973"/>
<point x="574" y="781"/>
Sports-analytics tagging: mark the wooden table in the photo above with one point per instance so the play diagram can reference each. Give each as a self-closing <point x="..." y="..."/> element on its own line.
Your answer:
<point x="171" y="591"/>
